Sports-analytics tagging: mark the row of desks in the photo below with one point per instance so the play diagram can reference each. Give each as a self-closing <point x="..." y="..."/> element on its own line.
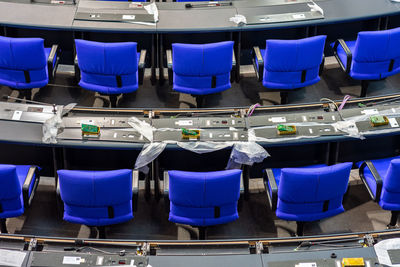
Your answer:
<point x="174" y="17"/>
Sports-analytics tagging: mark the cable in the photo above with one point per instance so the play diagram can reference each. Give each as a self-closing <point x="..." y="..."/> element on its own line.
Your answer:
<point x="334" y="103"/>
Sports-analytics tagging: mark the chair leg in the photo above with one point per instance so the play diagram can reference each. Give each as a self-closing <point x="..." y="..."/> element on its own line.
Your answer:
<point x="28" y="94"/>
<point x="113" y="100"/>
<point x="93" y="232"/>
<point x="284" y="98"/>
<point x="202" y="233"/>
<point x="3" y="226"/>
<point x="393" y="219"/>
<point x="300" y="228"/>
<point x="102" y="232"/>
<point x="364" y="87"/>
<point x="199" y="101"/>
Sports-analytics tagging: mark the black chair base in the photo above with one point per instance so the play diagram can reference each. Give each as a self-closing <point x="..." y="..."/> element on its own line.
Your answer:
<point x="364" y="87"/>
<point x="101" y="230"/>
<point x="300" y="228"/>
<point x="113" y="100"/>
<point x="3" y="226"/>
<point x="284" y="98"/>
<point x="393" y="219"/>
<point x="202" y="233"/>
<point x="25" y="94"/>
<point x="199" y="101"/>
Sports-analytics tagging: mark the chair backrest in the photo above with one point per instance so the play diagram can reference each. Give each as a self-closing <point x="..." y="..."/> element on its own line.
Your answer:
<point x="109" y="68"/>
<point x="204" y="198"/>
<point x="309" y="194"/>
<point x="376" y="54"/>
<point x="290" y="64"/>
<point x="11" y="202"/>
<point x="390" y="196"/>
<point x="96" y="198"/>
<point x="23" y="64"/>
<point x="202" y="69"/>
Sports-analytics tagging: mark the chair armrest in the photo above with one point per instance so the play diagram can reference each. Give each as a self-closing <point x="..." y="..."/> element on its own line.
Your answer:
<point x="321" y="67"/>
<point x="349" y="56"/>
<point x="257" y="57"/>
<point x="142" y="59"/>
<point x="33" y="171"/>
<point x="166" y="190"/>
<point x="169" y="65"/>
<point x="269" y="178"/>
<point x="59" y="202"/>
<point x="377" y="177"/>
<point x="241" y="197"/>
<point x="142" y="65"/>
<point x="135" y="189"/>
<point x="50" y="68"/>
<point x="233" y="59"/>
<point x="77" y="70"/>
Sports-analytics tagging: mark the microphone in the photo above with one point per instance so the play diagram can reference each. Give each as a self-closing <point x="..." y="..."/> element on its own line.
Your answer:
<point x="7" y="97"/>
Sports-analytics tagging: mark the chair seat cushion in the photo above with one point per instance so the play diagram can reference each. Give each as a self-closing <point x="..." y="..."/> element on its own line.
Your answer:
<point x="13" y="209"/>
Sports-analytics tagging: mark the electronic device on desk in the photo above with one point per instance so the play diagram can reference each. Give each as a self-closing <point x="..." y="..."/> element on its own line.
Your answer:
<point x="286" y="129"/>
<point x="90" y="130"/>
<point x="378" y="120"/>
<point x="190" y="134"/>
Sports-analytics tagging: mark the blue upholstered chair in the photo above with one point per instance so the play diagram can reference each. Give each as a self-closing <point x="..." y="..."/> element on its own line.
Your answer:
<point x="201" y="69"/>
<point x="285" y="65"/>
<point x="381" y="178"/>
<point x="26" y="64"/>
<point x="308" y="193"/>
<point x="202" y="199"/>
<point x="18" y="185"/>
<point x="109" y="68"/>
<point x="373" y="56"/>
<point x="98" y="198"/>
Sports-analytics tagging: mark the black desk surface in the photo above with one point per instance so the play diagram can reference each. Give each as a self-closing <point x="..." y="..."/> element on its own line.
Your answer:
<point x="175" y="18"/>
<point x="256" y="260"/>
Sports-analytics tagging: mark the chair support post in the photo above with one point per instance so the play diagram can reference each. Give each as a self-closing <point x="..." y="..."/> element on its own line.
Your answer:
<point x="102" y="232"/>
<point x="284" y="98"/>
<point x="113" y="101"/>
<point x="364" y="87"/>
<point x="3" y="226"/>
<point x="93" y="232"/>
<point x="202" y="233"/>
<point x="393" y="219"/>
<point x="199" y="101"/>
<point x="300" y="228"/>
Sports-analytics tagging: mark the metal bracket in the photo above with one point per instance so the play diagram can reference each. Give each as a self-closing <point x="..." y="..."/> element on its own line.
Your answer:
<point x="369" y="240"/>
<point x="259" y="247"/>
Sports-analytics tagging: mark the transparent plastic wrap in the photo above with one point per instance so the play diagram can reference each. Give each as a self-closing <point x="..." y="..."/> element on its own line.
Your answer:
<point x="149" y="153"/>
<point x="204" y="147"/>
<point x="239" y="20"/>
<point x="142" y="127"/>
<point x="381" y="250"/>
<point x="152" y="10"/>
<point x="246" y="153"/>
<point x="51" y="126"/>
<point x="349" y="127"/>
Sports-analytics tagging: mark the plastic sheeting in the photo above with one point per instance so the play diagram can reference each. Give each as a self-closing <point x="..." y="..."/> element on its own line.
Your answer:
<point x="142" y="127"/>
<point x="149" y="153"/>
<point x="51" y="126"/>
<point x="349" y="127"/>
<point x="246" y="153"/>
<point x="381" y="250"/>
